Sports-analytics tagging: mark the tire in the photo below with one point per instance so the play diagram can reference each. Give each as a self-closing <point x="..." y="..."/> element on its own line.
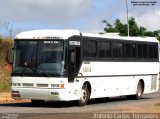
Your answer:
<point x="139" y="91"/>
<point x="84" y="96"/>
<point x="37" y="102"/>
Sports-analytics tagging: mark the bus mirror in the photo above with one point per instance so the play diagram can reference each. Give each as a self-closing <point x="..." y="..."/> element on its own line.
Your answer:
<point x="70" y="77"/>
<point x="71" y="74"/>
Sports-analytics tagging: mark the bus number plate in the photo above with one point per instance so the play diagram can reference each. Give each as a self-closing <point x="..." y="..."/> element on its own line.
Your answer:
<point x="77" y="43"/>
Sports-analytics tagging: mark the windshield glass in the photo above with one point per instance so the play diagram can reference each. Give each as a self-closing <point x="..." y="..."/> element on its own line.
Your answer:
<point x="39" y="57"/>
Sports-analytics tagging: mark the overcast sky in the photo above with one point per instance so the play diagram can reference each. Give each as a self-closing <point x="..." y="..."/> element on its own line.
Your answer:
<point x="84" y="15"/>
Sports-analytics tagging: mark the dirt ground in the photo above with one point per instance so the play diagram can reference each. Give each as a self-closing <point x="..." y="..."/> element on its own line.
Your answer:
<point x="5" y="97"/>
<point x="152" y="106"/>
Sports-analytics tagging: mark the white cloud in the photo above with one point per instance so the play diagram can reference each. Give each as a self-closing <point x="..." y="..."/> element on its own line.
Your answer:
<point x="150" y="20"/>
<point x="78" y="14"/>
<point x="42" y="10"/>
<point x="85" y="15"/>
<point x="44" y="13"/>
<point x="146" y="16"/>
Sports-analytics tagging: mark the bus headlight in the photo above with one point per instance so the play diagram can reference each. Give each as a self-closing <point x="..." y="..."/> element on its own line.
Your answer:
<point x="57" y="85"/>
<point x="16" y="84"/>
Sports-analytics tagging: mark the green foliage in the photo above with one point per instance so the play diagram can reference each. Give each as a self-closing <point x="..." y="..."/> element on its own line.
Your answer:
<point x="134" y="29"/>
<point x="122" y="28"/>
<point x="142" y="31"/>
<point x="108" y="27"/>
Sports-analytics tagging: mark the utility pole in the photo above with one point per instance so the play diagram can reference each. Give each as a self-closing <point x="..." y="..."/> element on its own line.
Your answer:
<point x="127" y="17"/>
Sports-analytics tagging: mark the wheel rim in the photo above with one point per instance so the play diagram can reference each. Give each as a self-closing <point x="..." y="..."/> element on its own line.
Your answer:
<point x="83" y="96"/>
<point x="139" y="90"/>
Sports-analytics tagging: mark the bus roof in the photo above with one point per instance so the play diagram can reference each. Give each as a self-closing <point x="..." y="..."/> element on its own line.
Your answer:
<point x="65" y="34"/>
<point x="115" y="36"/>
<point x="47" y="34"/>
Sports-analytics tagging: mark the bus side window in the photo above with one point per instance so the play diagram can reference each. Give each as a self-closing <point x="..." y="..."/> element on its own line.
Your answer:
<point x="155" y="51"/>
<point x="133" y="50"/>
<point x="151" y="54"/>
<point x="139" y="51"/>
<point x="145" y="51"/>
<point x="128" y="50"/>
<point x="117" y="50"/>
<point x="104" y="49"/>
<point x="90" y="48"/>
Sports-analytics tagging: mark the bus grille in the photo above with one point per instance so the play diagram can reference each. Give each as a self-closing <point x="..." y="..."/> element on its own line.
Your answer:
<point x="28" y="84"/>
<point x="42" y="85"/>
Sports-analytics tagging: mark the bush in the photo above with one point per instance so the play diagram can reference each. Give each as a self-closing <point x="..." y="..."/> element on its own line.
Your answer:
<point x="6" y="45"/>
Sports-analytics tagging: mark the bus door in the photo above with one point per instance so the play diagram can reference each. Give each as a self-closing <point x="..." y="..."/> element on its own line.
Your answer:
<point x="74" y="59"/>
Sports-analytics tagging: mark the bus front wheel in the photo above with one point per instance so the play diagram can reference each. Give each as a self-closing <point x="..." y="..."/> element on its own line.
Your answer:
<point x="84" y="95"/>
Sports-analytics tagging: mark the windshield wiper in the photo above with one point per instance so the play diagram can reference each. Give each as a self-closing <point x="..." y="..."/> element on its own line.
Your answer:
<point x="42" y="74"/>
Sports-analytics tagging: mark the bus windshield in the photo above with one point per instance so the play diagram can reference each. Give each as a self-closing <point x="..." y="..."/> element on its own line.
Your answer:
<point x="39" y="57"/>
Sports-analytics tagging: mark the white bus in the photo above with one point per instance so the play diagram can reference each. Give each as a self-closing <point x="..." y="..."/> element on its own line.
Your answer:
<point x="66" y="65"/>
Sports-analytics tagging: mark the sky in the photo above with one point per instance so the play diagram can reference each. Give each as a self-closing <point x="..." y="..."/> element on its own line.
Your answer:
<point x="85" y="15"/>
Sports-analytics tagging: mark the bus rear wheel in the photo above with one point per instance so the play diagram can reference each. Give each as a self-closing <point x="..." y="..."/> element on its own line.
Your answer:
<point x="139" y="91"/>
<point x="84" y="95"/>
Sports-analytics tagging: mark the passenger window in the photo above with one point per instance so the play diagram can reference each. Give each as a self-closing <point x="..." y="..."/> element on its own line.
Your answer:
<point x="90" y="48"/>
<point x="133" y="50"/>
<point x="104" y="49"/>
<point x="140" y="51"/>
<point x="128" y="50"/>
<point x="155" y="51"/>
<point x="145" y="51"/>
<point x="151" y="55"/>
<point x="117" y="49"/>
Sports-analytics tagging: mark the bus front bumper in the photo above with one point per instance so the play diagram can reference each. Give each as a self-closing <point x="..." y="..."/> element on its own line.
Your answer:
<point x="43" y="94"/>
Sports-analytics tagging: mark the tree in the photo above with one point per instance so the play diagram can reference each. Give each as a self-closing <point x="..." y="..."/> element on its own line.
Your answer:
<point x="108" y="27"/>
<point x="121" y="28"/>
<point x="142" y="31"/>
<point x="134" y="29"/>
